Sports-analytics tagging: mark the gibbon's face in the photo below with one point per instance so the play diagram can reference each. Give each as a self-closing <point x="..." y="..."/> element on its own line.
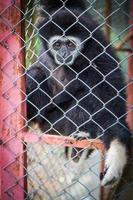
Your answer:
<point x="64" y="49"/>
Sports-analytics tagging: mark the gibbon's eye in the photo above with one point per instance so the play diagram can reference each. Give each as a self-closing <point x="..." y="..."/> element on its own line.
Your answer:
<point x="57" y="45"/>
<point x="71" y="45"/>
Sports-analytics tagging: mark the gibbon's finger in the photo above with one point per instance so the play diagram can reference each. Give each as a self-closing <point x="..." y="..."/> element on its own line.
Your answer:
<point x="76" y="154"/>
<point x="89" y="152"/>
<point x="67" y="152"/>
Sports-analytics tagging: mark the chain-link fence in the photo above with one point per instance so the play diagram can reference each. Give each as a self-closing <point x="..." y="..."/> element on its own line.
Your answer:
<point x="63" y="107"/>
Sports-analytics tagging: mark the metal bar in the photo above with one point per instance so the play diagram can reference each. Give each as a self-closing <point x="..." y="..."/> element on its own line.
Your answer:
<point x="130" y="75"/>
<point x="11" y="113"/>
<point x="61" y="140"/>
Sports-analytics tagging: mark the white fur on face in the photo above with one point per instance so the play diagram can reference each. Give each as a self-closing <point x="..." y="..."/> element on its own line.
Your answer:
<point x="75" y="53"/>
<point x="115" y="162"/>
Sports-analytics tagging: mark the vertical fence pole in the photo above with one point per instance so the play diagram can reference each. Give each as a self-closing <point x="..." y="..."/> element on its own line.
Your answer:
<point x="130" y="75"/>
<point x="11" y="108"/>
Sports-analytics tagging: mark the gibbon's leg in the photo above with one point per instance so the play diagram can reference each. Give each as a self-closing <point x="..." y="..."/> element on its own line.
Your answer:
<point x="115" y="161"/>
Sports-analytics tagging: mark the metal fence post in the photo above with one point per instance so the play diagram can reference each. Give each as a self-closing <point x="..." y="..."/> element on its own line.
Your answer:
<point x="130" y="74"/>
<point x="11" y="107"/>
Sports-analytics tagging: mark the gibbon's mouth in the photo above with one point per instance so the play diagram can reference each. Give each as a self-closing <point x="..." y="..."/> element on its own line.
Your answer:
<point x="67" y="60"/>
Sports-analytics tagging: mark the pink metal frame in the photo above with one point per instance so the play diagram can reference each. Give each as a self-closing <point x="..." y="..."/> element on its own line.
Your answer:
<point x="12" y="181"/>
<point x="130" y="73"/>
<point x="11" y="121"/>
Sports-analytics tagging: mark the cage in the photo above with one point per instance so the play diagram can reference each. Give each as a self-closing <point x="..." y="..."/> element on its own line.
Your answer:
<point x="34" y="165"/>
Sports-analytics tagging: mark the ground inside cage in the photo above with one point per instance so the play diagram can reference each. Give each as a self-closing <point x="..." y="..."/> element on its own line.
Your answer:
<point x="52" y="176"/>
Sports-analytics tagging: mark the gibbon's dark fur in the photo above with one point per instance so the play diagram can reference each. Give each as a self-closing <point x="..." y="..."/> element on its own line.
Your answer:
<point x="94" y="80"/>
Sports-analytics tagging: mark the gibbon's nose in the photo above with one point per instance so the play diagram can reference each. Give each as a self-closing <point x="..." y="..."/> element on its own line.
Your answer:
<point x="64" y="52"/>
<point x="64" y="55"/>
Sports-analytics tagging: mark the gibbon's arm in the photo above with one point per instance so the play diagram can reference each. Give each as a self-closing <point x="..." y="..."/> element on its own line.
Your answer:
<point x="36" y="90"/>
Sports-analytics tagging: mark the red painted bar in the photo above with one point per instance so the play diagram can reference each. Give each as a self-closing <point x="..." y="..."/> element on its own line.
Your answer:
<point x="11" y="120"/>
<point x="130" y="74"/>
<point x="62" y="140"/>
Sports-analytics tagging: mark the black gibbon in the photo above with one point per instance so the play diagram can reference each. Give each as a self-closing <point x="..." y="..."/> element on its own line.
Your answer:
<point x="76" y="86"/>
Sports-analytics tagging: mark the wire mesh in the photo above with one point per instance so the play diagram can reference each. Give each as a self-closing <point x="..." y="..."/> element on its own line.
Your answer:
<point x="39" y="166"/>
